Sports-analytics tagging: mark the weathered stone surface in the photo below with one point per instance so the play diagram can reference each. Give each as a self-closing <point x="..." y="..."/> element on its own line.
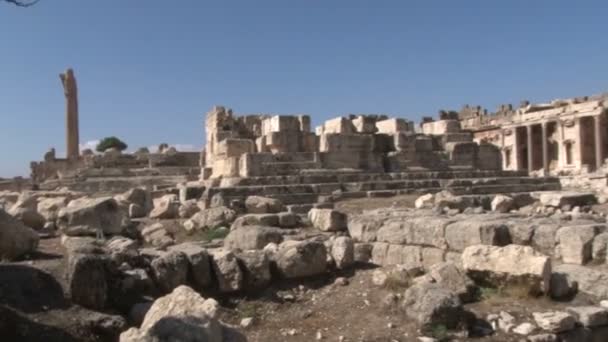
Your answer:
<point x="562" y="198"/>
<point x="554" y="321"/>
<point x="256" y="269"/>
<point x="288" y="220"/>
<point x="256" y="220"/>
<point x="431" y="305"/>
<point x="449" y="276"/>
<point x="590" y="316"/>
<point x="136" y="211"/>
<point x="86" y="280"/>
<point x="16" y="240"/>
<point x="363" y="228"/>
<point x="89" y="216"/>
<point x="476" y="230"/>
<point x="182" y="315"/>
<point x="170" y="270"/>
<point x="512" y="265"/>
<point x="521" y="233"/>
<point x="327" y="220"/>
<point x="363" y="252"/>
<point x="156" y="235"/>
<point x="543" y="238"/>
<point x="105" y="325"/>
<point x="600" y="244"/>
<point x="199" y="262"/>
<point x="297" y="259"/>
<point x="425" y="201"/>
<point x="343" y="252"/>
<point x="408" y="256"/>
<point x="25" y="210"/>
<point x="379" y="250"/>
<point x="49" y="207"/>
<point x="263" y="205"/>
<point x="188" y="208"/>
<point x="252" y="237"/>
<point x="569" y="278"/>
<point x="502" y="204"/>
<point x="432" y="256"/>
<point x="227" y="271"/>
<point x="576" y="243"/>
<point x="210" y="219"/>
<point x="122" y="249"/>
<point x="138" y="196"/>
<point x="166" y="207"/>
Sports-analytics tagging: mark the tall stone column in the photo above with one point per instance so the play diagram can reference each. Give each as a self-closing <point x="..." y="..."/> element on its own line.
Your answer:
<point x="545" y="148"/>
<point x="599" y="141"/>
<point x="515" y="150"/>
<point x="529" y="144"/>
<point x="71" y="114"/>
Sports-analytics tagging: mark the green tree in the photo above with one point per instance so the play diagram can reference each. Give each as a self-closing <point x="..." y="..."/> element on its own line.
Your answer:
<point x="111" y="142"/>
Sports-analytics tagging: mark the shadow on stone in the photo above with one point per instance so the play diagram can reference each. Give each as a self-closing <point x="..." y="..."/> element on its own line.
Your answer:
<point x="14" y="327"/>
<point x="29" y="290"/>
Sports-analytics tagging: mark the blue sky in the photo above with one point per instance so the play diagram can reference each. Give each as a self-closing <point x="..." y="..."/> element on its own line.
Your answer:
<point x="149" y="70"/>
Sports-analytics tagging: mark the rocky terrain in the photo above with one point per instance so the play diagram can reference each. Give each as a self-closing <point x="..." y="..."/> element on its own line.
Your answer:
<point x="139" y="266"/>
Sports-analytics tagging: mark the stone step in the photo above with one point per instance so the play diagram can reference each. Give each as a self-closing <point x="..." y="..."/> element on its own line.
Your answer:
<point x="308" y="194"/>
<point x="338" y="176"/>
<point x="328" y="188"/>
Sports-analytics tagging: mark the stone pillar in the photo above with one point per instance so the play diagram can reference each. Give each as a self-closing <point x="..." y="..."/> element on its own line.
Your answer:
<point x="515" y="149"/>
<point x="599" y="141"/>
<point x="71" y="114"/>
<point x="529" y="145"/>
<point x="545" y="148"/>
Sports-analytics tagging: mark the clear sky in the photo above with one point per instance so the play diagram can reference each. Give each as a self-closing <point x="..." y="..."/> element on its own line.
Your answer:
<point x="148" y="70"/>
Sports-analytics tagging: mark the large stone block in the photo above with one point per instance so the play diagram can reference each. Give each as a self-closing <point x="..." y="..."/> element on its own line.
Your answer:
<point x="459" y="235"/>
<point x="392" y="126"/>
<point x="512" y="265"/>
<point x="561" y="198"/>
<point x="327" y="220"/>
<point x="576" y="243"/>
<point x="441" y="127"/>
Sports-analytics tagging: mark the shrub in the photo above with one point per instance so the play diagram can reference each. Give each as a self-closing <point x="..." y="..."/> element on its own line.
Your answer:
<point x="111" y="142"/>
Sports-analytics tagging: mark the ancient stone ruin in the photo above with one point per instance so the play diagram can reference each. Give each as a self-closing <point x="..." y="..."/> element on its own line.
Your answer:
<point x="369" y="228"/>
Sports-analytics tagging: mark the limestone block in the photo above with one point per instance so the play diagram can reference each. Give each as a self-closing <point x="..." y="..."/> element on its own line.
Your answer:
<point x="509" y="265"/>
<point x="441" y="127"/>
<point x="561" y="198"/>
<point x="296" y="259"/>
<point x="432" y="256"/>
<point x="227" y="271"/>
<point x="364" y="124"/>
<point x="335" y="142"/>
<point x="327" y="219"/>
<point x="281" y="123"/>
<point x="363" y="228"/>
<point x="408" y="256"/>
<point x="338" y="125"/>
<point x="554" y="321"/>
<point x="590" y="316"/>
<point x="234" y="147"/>
<point x="576" y="243"/>
<point x="392" y="126"/>
<point x="379" y="251"/>
<point x="342" y="251"/>
<point x="459" y="235"/>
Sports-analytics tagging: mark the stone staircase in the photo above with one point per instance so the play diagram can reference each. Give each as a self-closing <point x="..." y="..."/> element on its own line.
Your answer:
<point x="308" y="187"/>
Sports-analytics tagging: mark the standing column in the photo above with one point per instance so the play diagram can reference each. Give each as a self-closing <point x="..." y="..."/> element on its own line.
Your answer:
<point x="545" y="148"/>
<point x="515" y="149"/>
<point x="71" y="99"/>
<point x="529" y="144"/>
<point x="599" y="141"/>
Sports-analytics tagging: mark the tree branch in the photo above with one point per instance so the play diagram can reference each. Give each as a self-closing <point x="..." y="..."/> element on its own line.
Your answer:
<point x="22" y="3"/>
